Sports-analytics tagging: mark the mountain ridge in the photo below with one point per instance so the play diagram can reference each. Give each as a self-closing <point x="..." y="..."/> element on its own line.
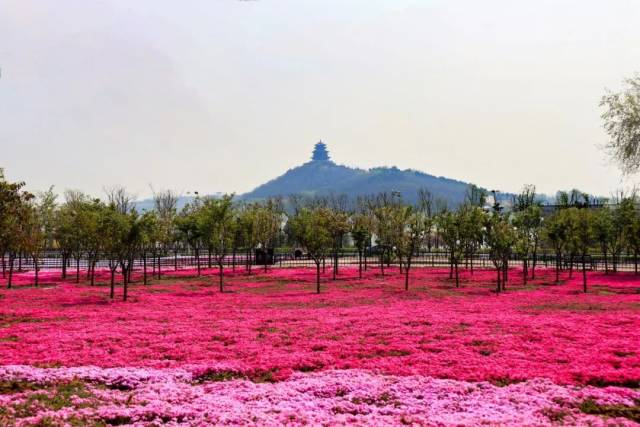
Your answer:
<point x="323" y="177"/>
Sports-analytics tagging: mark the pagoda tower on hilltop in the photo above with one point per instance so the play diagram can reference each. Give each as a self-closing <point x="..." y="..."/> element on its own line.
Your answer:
<point x="320" y="152"/>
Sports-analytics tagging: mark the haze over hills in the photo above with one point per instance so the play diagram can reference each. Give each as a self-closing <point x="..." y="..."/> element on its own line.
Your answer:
<point x="321" y="176"/>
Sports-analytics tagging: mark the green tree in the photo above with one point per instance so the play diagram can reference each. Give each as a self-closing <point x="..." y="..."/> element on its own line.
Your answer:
<point x="311" y="227"/>
<point x="165" y="208"/>
<point x="410" y="236"/>
<point x="621" y="119"/>
<point x="151" y="234"/>
<point x="268" y="220"/>
<point x="217" y="229"/>
<point x="499" y="238"/>
<point x="12" y="200"/>
<point x="556" y="232"/>
<point x="603" y="232"/>
<point x="449" y="228"/>
<point x="623" y="216"/>
<point x="633" y="237"/>
<point x="584" y="237"/>
<point x="114" y="227"/>
<point x="189" y="228"/>
<point x="360" y="229"/>
<point x="471" y="220"/>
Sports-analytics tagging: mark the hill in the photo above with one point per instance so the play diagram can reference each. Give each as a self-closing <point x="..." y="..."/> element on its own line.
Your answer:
<point x="321" y="176"/>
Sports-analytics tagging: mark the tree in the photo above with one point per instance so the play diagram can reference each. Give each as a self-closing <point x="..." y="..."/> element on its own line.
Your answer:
<point x="584" y="237"/>
<point x="476" y="196"/>
<point x="556" y="232"/>
<point x="268" y="219"/>
<point x="246" y="226"/>
<point x="470" y="223"/>
<point x="409" y="237"/>
<point x="311" y="228"/>
<point x="603" y="232"/>
<point x="360" y="229"/>
<point x="129" y="246"/>
<point x="189" y="229"/>
<point x="33" y="235"/>
<point x="426" y="205"/>
<point x="499" y="237"/>
<point x="217" y="229"/>
<point x="150" y="232"/>
<point x="623" y="216"/>
<point x="113" y="226"/>
<point x="528" y="222"/>
<point x="450" y="232"/>
<point x="338" y="225"/>
<point x="383" y="208"/>
<point x="165" y="206"/>
<point x="622" y="123"/>
<point x="12" y="200"/>
<point x="633" y="237"/>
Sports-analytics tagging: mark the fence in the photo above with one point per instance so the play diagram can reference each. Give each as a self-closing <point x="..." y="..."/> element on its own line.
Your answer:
<point x="186" y="258"/>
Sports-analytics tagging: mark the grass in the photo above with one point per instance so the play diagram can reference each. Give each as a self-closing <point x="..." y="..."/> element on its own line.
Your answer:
<point x="611" y="411"/>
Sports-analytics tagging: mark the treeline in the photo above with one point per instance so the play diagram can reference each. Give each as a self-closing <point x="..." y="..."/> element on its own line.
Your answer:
<point x="112" y="230"/>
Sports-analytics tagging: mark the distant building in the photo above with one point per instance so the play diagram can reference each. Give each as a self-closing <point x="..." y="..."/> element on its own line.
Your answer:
<point x="320" y="152"/>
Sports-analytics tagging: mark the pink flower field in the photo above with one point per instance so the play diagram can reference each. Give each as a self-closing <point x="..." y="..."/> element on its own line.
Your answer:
<point x="270" y="351"/>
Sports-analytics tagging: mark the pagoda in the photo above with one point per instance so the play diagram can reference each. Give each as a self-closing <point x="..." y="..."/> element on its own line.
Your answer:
<point x="320" y="153"/>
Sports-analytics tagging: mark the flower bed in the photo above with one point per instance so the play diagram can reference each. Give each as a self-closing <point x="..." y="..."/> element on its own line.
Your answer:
<point x="137" y="396"/>
<point x="270" y="328"/>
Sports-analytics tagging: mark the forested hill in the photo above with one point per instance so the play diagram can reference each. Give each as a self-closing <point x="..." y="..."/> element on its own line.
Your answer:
<point x="321" y="177"/>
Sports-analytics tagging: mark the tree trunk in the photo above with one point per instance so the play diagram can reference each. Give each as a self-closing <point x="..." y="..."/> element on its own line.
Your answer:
<point x="64" y="266"/>
<point x="221" y="273"/>
<point x="406" y="274"/>
<point x="93" y="272"/>
<point x="558" y="267"/>
<point x="78" y="270"/>
<point x="37" y="270"/>
<point x="382" y="263"/>
<point x="457" y="275"/>
<point x="499" y="285"/>
<point x="365" y="259"/>
<point x="635" y="262"/>
<point x="451" y="265"/>
<point x="159" y="266"/>
<point x="359" y="264"/>
<point x="175" y="260"/>
<point x="606" y="263"/>
<point x="198" y="260"/>
<point x="4" y="267"/>
<point x="317" y="277"/>
<point x="113" y="283"/>
<point x="11" y="261"/>
<point x="525" y="270"/>
<point x="584" y="273"/>
<point x="535" y="261"/>
<point x="144" y="267"/>
<point x="505" y="276"/>
<point x="571" y="266"/>
<point x="125" y="282"/>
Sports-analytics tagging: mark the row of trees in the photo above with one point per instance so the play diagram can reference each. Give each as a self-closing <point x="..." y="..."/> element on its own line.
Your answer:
<point x="112" y="230"/>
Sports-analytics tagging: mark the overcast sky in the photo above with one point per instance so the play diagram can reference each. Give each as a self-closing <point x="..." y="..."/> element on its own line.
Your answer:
<point x="224" y="95"/>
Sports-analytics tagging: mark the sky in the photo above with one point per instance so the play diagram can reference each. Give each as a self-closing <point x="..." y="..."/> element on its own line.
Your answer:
<point x="223" y="95"/>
